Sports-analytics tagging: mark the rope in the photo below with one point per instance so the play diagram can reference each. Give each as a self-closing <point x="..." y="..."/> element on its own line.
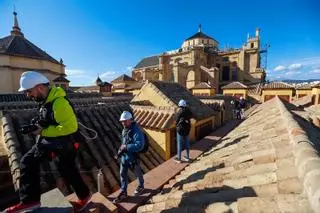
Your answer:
<point x="91" y="130"/>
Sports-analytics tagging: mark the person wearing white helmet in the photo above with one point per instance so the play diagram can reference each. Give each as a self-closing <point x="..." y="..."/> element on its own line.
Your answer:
<point x="57" y="129"/>
<point x="132" y="142"/>
<point x="34" y="84"/>
<point x="183" y="129"/>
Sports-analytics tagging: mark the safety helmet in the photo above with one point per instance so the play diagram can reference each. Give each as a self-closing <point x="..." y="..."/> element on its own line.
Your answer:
<point x="31" y="79"/>
<point x="125" y="116"/>
<point x="182" y="103"/>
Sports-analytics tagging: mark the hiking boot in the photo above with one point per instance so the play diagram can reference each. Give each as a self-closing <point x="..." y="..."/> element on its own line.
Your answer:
<point x="80" y="205"/>
<point x="123" y="195"/>
<point x="21" y="207"/>
<point x="177" y="160"/>
<point x="138" y="190"/>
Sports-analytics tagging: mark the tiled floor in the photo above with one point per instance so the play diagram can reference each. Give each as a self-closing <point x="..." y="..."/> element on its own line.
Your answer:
<point x="158" y="177"/>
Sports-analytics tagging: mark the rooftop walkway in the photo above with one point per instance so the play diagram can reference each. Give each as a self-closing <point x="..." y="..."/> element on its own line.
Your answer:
<point x="159" y="176"/>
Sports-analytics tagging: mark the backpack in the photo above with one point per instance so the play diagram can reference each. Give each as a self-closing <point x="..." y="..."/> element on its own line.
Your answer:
<point x="146" y="144"/>
<point x="183" y="127"/>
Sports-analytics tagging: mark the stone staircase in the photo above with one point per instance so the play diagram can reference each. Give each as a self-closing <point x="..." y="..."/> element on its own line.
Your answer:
<point x="252" y="169"/>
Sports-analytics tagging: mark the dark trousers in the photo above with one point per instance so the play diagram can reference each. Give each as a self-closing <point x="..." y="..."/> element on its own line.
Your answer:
<point x="30" y="169"/>
<point x="124" y="167"/>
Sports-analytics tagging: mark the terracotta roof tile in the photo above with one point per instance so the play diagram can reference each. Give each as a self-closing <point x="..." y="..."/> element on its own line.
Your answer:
<point x="94" y="154"/>
<point x="174" y="92"/>
<point x="255" y="89"/>
<point x="278" y="85"/>
<point x="303" y="87"/>
<point x="153" y="117"/>
<point x="316" y="85"/>
<point x="135" y="86"/>
<point x="235" y="85"/>
<point x="93" y="88"/>
<point x="120" y="86"/>
<point x="203" y="85"/>
<point x="123" y="78"/>
<point x="256" y="162"/>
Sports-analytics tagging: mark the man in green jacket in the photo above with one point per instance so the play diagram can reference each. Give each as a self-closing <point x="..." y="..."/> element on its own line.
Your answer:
<point x="57" y="128"/>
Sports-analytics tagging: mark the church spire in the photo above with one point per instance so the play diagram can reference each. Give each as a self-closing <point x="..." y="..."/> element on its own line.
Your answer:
<point x="16" y="31"/>
<point x="199" y="30"/>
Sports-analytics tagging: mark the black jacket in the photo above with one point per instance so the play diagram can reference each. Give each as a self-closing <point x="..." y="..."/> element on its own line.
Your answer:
<point x="184" y="114"/>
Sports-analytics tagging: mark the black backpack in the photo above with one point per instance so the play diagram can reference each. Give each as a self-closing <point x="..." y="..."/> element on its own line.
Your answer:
<point x="183" y="127"/>
<point x="146" y="144"/>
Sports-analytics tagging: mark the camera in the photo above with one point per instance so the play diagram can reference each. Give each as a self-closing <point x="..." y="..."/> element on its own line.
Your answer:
<point x="31" y="127"/>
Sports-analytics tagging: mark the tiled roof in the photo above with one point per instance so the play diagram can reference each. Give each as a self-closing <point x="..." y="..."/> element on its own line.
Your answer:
<point x="224" y="102"/>
<point x="159" y="118"/>
<point x="203" y="85"/>
<point x="305" y="86"/>
<point x="264" y="163"/>
<point x="17" y="97"/>
<point x="199" y="35"/>
<point x="13" y="97"/>
<point x="255" y="89"/>
<point x="93" y="88"/>
<point x="95" y="154"/>
<point x="104" y="83"/>
<point x="278" y="85"/>
<point x="138" y="85"/>
<point x="20" y="46"/>
<point x="316" y="85"/>
<point x="303" y="101"/>
<point x="122" y="78"/>
<point x="61" y="79"/>
<point x="235" y="85"/>
<point x="148" y="62"/>
<point x="120" y="86"/>
<point x="77" y="100"/>
<point x="174" y="92"/>
<point x="216" y="105"/>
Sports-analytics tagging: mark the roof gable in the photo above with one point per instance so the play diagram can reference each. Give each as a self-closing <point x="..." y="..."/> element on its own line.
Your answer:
<point x="203" y="85"/>
<point x="122" y="78"/>
<point x="278" y="85"/>
<point x="235" y="85"/>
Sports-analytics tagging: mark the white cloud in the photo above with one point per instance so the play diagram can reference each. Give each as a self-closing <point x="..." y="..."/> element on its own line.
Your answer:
<point x="295" y="66"/>
<point x="279" y="68"/>
<point x="289" y="73"/>
<point x="75" y="72"/>
<point x="316" y="71"/>
<point x="108" y="75"/>
<point x="311" y="61"/>
<point x="129" y="68"/>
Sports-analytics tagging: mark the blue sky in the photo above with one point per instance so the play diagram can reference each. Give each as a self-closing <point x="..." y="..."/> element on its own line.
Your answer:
<point x="110" y="37"/>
